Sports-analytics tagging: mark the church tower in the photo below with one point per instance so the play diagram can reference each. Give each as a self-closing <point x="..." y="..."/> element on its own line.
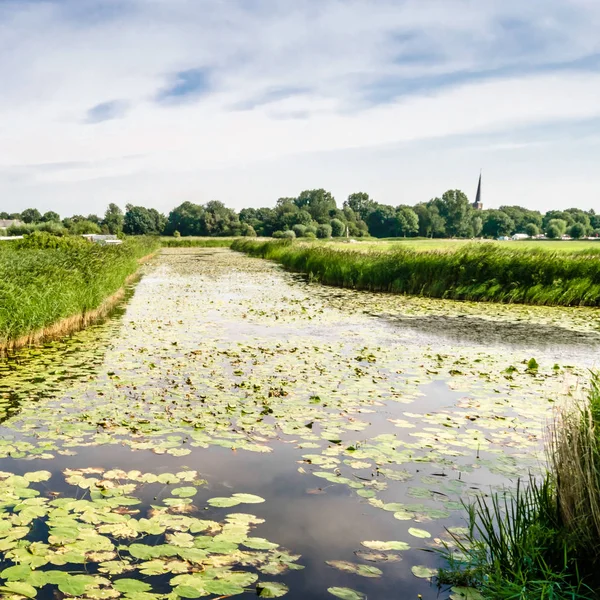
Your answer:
<point x="478" y="204"/>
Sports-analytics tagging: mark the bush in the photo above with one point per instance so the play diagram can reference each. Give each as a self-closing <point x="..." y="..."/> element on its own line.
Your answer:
<point x="288" y="235"/>
<point x="176" y="234"/>
<point x="311" y="229"/>
<point x="248" y="231"/>
<point x="299" y="230"/>
<point x="338" y="228"/>
<point x="324" y="231"/>
<point x="309" y="235"/>
<point x="278" y="235"/>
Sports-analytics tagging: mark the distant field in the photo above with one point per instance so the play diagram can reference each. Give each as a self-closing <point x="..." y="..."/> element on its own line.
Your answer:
<point x="384" y="245"/>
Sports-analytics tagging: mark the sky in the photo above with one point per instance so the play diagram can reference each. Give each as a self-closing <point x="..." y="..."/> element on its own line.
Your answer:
<point x="157" y="102"/>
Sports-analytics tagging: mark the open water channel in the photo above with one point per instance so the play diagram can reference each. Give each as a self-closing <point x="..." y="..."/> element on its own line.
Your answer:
<point x="234" y="429"/>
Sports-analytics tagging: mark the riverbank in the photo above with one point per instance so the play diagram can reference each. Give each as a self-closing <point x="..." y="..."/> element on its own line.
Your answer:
<point x="477" y="272"/>
<point x="52" y="287"/>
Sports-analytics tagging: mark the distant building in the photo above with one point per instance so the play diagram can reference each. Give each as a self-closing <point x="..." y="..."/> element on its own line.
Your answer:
<point x="6" y="223"/>
<point x="104" y="240"/>
<point x="478" y="204"/>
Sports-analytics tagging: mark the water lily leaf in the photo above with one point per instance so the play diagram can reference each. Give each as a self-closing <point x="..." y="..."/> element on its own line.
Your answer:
<point x="186" y="591"/>
<point x="37" y="476"/>
<point x="21" y="588"/>
<point x="184" y="492"/>
<point x="419" y="533"/>
<point x="346" y="593"/>
<point x="15" y="573"/>
<point x="223" y="588"/>
<point x="384" y="546"/>
<point x="248" y="498"/>
<point x="259" y="544"/>
<point x="349" y="567"/>
<point x="127" y="586"/>
<point x="271" y="589"/>
<point x="221" y="502"/>
<point x="423" y="572"/>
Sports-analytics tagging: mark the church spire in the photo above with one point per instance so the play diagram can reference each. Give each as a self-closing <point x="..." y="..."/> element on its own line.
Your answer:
<point x="478" y="204"/>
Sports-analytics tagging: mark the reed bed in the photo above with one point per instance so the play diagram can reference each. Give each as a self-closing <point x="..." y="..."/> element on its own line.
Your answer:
<point x="478" y="272"/>
<point x="542" y="542"/>
<point x="50" y="286"/>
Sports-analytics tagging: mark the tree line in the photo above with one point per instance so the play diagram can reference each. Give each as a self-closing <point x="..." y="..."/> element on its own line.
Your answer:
<point x="315" y="214"/>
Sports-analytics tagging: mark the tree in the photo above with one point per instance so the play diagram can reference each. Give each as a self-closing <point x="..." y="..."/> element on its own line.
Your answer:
<point x="578" y="231"/>
<point x="556" y="225"/>
<point x="532" y="230"/>
<point x="360" y="203"/>
<point x="382" y="220"/>
<point x="31" y="215"/>
<point x="496" y="223"/>
<point x="407" y="221"/>
<point x="138" y="221"/>
<point x="51" y="217"/>
<point x="319" y="203"/>
<point x="456" y="210"/>
<point x="338" y="228"/>
<point x="113" y="219"/>
<point x="553" y="232"/>
<point x="522" y="216"/>
<point x="324" y="231"/>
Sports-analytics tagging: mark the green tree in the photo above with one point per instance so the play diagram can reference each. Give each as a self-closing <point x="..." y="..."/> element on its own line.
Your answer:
<point x="138" y="221"/>
<point x="532" y="230"/>
<point x="324" y="231"/>
<point x="382" y="221"/>
<point x="496" y="223"/>
<point x="456" y="210"/>
<point x="113" y="219"/>
<point x="319" y="203"/>
<point x="338" y="228"/>
<point x="554" y="225"/>
<point x="553" y="231"/>
<point x="31" y="215"/>
<point x="407" y="221"/>
<point x="522" y="216"/>
<point x="360" y="203"/>
<point x="578" y="231"/>
<point x="51" y="217"/>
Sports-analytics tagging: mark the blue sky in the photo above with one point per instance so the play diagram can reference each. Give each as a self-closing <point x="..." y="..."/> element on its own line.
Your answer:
<point x="162" y="101"/>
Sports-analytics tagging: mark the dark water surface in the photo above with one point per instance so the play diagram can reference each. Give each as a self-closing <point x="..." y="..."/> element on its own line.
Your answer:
<point x="348" y="418"/>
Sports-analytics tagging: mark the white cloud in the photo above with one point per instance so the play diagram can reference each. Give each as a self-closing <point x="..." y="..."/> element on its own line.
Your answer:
<point x="55" y="66"/>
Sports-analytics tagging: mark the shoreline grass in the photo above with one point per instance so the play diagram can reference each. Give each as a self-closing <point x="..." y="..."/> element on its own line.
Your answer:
<point x="475" y="272"/>
<point x="52" y="286"/>
<point x="543" y="542"/>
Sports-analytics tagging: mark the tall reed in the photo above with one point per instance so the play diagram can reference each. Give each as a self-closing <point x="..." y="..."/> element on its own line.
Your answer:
<point x="542" y="542"/>
<point x="44" y="279"/>
<point x="484" y="272"/>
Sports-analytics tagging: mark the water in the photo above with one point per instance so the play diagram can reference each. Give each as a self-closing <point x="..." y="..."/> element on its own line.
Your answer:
<point x="358" y="418"/>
